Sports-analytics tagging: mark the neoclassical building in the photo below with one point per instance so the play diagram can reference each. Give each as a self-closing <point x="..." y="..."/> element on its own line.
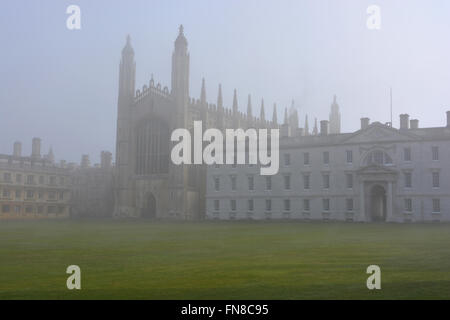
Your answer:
<point x="378" y="173"/>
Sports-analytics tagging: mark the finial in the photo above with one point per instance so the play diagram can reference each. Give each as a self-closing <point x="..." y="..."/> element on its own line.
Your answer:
<point x="235" y="103"/>
<point x="219" y="98"/>
<point x="285" y="116"/>
<point x="274" y="116"/>
<point x="128" y="39"/>
<point x="181" y="29"/>
<point x="203" y="92"/>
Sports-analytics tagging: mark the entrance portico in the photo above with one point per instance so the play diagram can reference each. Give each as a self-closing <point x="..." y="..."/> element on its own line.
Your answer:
<point x="376" y="194"/>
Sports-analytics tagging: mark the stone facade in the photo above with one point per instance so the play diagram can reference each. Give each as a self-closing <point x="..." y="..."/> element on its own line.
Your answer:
<point x="92" y="189"/>
<point x="377" y="173"/>
<point x="147" y="184"/>
<point x="33" y="187"/>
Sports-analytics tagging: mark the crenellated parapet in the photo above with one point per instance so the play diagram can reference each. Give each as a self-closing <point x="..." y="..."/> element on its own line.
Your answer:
<point x="152" y="89"/>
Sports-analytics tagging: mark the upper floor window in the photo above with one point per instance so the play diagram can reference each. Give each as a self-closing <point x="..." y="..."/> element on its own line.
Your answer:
<point x="287" y="182"/>
<point x="233" y="183"/>
<point x="326" y="181"/>
<point x="306" y="182"/>
<point x="407" y="154"/>
<point x="217" y="184"/>
<point x="7" y="177"/>
<point x="251" y="184"/>
<point x="436" y="181"/>
<point x="30" y="179"/>
<point x="378" y="157"/>
<point x="268" y="183"/>
<point x="287" y="159"/>
<point x="349" y="178"/>
<point x="306" y="158"/>
<point x="349" y="156"/>
<point x="408" y="180"/>
<point x="435" y="153"/>
<point x="326" y="157"/>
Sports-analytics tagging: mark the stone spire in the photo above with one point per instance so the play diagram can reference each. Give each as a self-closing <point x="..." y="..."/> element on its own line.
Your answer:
<point x="249" y="107"/>
<point x="274" y="116"/>
<point x="335" y="118"/>
<point x="203" y="92"/>
<point x="219" y="98"/>
<point x="235" y="103"/>
<point x="306" y="126"/>
<point x="285" y="116"/>
<point x="128" y="49"/>
<point x="315" y="130"/>
<point x="262" y="115"/>
<point x="50" y="155"/>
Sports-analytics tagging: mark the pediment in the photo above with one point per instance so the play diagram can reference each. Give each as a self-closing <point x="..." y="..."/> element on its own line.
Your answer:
<point x="380" y="133"/>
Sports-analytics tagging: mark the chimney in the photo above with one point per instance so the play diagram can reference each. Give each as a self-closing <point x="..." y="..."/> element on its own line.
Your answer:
<point x="414" y="124"/>
<point x="324" y="127"/>
<point x="448" y="119"/>
<point x="364" y="123"/>
<point x="17" y="152"/>
<point x="36" y="148"/>
<point x="85" y="163"/>
<point x="106" y="160"/>
<point x="404" y="121"/>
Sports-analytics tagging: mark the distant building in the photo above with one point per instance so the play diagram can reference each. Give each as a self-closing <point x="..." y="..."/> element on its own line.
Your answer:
<point x="377" y="173"/>
<point x="335" y="118"/>
<point x="33" y="187"/>
<point x="93" y="195"/>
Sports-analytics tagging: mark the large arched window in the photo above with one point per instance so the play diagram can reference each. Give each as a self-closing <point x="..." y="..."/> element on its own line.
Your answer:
<point x="152" y="147"/>
<point x="379" y="158"/>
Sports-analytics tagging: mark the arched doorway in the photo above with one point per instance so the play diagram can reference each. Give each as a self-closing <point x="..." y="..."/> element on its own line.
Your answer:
<point x="149" y="211"/>
<point x="378" y="204"/>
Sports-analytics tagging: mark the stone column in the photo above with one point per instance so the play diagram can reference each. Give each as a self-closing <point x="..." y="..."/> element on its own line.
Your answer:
<point x="362" y="208"/>
<point x="389" y="214"/>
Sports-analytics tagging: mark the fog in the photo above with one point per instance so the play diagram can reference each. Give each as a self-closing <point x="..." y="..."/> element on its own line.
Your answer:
<point x="61" y="85"/>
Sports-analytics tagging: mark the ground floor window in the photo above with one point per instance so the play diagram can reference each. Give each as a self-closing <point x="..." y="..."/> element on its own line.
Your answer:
<point x="350" y="205"/>
<point x="436" y="205"/>
<point x="408" y="205"/>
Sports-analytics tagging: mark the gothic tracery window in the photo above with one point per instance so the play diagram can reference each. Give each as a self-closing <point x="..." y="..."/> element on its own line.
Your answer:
<point x="152" y="147"/>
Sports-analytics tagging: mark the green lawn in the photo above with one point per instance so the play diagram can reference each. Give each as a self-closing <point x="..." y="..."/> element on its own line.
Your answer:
<point x="207" y="260"/>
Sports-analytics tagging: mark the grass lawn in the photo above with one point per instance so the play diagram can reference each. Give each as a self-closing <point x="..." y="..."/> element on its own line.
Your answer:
<point x="226" y="260"/>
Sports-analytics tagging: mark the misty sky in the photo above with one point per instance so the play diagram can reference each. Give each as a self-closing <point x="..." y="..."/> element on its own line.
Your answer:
<point x="61" y="85"/>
